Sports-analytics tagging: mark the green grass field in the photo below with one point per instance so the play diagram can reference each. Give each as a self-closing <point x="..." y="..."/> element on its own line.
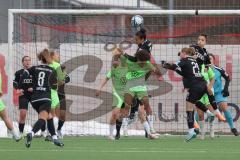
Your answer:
<point x="130" y="148"/>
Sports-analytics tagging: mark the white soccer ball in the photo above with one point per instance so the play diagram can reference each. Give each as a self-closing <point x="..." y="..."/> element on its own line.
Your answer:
<point x="137" y="22"/>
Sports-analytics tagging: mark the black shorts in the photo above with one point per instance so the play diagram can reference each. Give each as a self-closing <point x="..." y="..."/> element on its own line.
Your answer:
<point x="24" y="100"/>
<point x="42" y="105"/>
<point x="41" y="101"/>
<point x="62" y="99"/>
<point x="196" y="92"/>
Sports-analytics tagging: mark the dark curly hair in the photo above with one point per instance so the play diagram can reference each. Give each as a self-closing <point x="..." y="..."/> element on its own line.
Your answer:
<point x="141" y="34"/>
<point x="143" y="55"/>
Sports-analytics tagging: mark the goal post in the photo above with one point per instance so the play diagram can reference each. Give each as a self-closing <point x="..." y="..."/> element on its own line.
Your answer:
<point x="85" y="39"/>
<point x="125" y="12"/>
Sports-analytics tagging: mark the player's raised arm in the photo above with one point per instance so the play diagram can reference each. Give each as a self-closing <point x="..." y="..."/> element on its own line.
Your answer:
<point x="156" y="70"/>
<point x="129" y="57"/>
<point x="225" y="91"/>
<point x="103" y="83"/>
<point x="170" y="66"/>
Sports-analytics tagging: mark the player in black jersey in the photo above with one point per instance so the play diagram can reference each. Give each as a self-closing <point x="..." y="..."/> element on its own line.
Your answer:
<point x="197" y="86"/>
<point x="43" y="78"/>
<point x="201" y="52"/>
<point x="23" y="84"/>
<point x="204" y="59"/>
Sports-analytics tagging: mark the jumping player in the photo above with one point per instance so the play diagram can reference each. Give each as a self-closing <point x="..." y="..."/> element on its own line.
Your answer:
<point x="136" y="86"/>
<point x="203" y="58"/>
<point x="143" y="44"/>
<point x="197" y="86"/>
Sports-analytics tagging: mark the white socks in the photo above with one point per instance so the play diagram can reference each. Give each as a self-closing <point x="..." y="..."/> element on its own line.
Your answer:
<point x="54" y="137"/>
<point x="111" y="129"/>
<point x="125" y="123"/>
<point x="15" y="133"/>
<point x="146" y="127"/>
<point x="55" y="122"/>
<point x="216" y="111"/>
<point x="202" y="127"/>
<point x="209" y="112"/>
<point x="191" y="130"/>
<point x="150" y="121"/>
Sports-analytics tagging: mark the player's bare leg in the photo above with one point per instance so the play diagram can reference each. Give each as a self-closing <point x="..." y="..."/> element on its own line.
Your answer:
<point x="228" y="116"/>
<point x="211" y="123"/>
<point x="201" y="123"/>
<point x="115" y="115"/>
<point x="8" y="122"/>
<point x="150" y="117"/>
<point x="142" y="116"/>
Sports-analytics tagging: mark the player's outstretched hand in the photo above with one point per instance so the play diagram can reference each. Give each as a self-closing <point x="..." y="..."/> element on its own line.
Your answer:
<point x="98" y="93"/>
<point x="225" y="93"/>
<point x="30" y="89"/>
<point x="165" y="64"/>
<point x="117" y="52"/>
<point x="20" y="91"/>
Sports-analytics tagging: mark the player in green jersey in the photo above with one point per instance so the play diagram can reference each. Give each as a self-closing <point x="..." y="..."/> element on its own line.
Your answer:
<point x="136" y="84"/>
<point x="118" y="76"/>
<point x="208" y="75"/>
<point x="3" y="114"/>
<point x="58" y="95"/>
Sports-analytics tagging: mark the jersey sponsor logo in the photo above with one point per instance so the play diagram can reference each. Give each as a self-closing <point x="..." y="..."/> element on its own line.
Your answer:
<point x="27" y="81"/>
<point x="200" y="56"/>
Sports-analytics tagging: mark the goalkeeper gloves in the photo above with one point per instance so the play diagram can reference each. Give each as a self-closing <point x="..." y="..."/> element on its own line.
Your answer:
<point x="225" y="93"/>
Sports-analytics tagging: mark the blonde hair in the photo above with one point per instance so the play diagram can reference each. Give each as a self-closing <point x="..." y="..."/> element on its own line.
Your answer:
<point x="188" y="51"/>
<point x="44" y="56"/>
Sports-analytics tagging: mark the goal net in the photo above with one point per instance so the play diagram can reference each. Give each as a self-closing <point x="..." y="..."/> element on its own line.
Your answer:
<point x="85" y="38"/>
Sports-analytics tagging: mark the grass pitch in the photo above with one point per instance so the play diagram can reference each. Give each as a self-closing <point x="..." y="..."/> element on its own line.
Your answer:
<point x="130" y="148"/>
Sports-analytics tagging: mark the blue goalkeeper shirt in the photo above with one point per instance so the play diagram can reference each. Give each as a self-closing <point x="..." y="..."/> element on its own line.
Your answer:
<point x="218" y="85"/>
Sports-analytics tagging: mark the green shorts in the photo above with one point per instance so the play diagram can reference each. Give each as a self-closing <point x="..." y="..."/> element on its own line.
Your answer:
<point x="2" y="106"/>
<point x="55" y="100"/>
<point x="118" y="99"/>
<point x="138" y="92"/>
<point x="205" y="100"/>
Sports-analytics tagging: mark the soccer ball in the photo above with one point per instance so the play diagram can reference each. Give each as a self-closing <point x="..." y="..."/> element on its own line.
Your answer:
<point x="137" y="22"/>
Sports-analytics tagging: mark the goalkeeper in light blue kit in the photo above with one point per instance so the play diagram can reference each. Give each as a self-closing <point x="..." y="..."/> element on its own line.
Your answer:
<point x="221" y="93"/>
